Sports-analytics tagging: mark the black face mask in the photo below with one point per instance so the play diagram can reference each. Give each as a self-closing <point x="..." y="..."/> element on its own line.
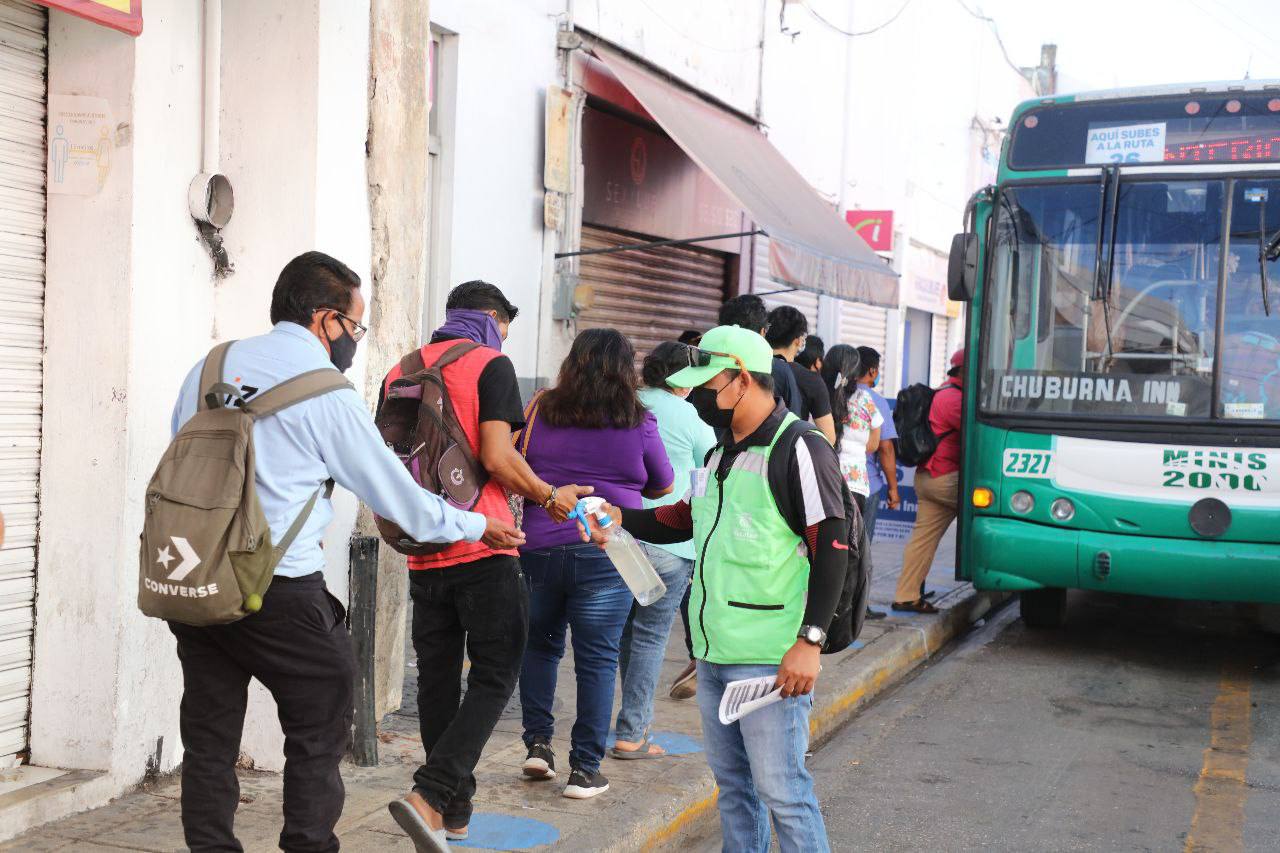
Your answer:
<point x="342" y="350"/>
<point x="706" y="402"/>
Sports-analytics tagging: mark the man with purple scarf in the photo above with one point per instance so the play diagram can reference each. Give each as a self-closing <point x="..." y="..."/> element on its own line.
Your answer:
<point x="470" y="594"/>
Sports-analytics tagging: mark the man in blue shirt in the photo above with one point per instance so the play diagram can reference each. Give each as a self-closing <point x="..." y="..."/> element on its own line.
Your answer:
<point x="882" y="465"/>
<point x="297" y="645"/>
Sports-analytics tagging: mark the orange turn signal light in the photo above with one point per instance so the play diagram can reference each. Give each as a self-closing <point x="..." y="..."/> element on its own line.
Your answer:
<point x="983" y="498"/>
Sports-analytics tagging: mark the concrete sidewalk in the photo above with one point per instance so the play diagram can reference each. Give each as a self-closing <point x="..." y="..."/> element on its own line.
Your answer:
<point x="650" y="804"/>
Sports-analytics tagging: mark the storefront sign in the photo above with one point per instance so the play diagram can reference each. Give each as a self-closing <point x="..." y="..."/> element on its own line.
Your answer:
<point x="638" y="180"/>
<point x="122" y="15"/>
<point x="81" y="144"/>
<point x="926" y="293"/>
<point x="874" y="226"/>
<point x="924" y="287"/>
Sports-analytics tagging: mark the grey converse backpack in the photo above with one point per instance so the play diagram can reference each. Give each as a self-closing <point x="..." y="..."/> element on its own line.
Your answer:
<point x="207" y="557"/>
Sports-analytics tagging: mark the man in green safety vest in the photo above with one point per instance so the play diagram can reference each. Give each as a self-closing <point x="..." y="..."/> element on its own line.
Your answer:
<point x="766" y="516"/>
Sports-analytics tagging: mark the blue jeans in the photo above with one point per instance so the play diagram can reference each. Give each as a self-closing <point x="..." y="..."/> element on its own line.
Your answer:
<point x="644" y="644"/>
<point x="873" y="509"/>
<point x="574" y="586"/>
<point x="758" y="763"/>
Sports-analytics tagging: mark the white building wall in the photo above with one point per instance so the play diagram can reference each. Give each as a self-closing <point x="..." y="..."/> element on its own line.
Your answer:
<point x="505" y="60"/>
<point x="132" y="303"/>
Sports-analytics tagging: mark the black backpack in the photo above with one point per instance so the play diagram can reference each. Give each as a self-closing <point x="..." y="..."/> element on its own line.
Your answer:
<point x="916" y="440"/>
<point x="851" y="611"/>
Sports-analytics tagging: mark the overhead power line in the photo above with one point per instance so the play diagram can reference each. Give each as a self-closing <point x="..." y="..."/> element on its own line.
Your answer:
<point x="814" y="12"/>
<point x="995" y="31"/>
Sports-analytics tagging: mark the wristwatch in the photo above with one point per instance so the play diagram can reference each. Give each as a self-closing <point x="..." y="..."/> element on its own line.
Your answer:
<point x="551" y="499"/>
<point x="812" y="634"/>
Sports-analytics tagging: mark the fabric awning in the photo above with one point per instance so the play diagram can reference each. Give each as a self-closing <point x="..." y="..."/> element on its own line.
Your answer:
<point x="810" y="247"/>
<point x="122" y="15"/>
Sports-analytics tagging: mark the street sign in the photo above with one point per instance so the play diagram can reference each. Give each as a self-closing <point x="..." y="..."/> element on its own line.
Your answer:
<point x="874" y="226"/>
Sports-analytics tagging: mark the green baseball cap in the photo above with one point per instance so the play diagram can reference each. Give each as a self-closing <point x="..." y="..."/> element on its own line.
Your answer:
<point x="716" y="351"/>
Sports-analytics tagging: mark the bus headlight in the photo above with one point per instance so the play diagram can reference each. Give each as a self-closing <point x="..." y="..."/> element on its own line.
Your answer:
<point x="1022" y="502"/>
<point x="1062" y="510"/>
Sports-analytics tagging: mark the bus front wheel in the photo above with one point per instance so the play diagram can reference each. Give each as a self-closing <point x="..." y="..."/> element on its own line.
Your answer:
<point x="1043" y="608"/>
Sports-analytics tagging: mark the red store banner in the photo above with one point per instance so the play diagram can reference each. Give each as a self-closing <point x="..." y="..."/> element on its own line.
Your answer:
<point x="122" y="15"/>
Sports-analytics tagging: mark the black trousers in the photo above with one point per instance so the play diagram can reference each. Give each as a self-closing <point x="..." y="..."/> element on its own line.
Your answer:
<point x="483" y="605"/>
<point x="299" y="647"/>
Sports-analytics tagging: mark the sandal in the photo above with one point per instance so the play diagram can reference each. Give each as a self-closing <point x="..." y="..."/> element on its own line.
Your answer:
<point x="917" y="606"/>
<point x="645" y="750"/>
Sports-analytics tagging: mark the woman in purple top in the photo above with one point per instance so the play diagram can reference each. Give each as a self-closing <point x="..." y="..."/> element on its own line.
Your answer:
<point x="593" y="429"/>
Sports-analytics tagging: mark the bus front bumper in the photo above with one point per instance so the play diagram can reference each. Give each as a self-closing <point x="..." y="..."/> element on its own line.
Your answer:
<point x="1012" y="555"/>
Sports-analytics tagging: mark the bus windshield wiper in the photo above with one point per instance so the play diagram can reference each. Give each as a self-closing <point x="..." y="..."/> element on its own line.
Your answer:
<point x="1102" y="270"/>
<point x="1268" y="250"/>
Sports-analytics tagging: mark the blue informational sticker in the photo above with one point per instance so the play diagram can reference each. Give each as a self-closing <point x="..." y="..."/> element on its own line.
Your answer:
<point x="506" y="832"/>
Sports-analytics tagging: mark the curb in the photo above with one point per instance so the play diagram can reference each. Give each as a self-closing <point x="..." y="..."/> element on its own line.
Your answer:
<point x="861" y="675"/>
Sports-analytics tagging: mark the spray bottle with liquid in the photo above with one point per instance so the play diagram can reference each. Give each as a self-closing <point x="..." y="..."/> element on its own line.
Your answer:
<point x="624" y="551"/>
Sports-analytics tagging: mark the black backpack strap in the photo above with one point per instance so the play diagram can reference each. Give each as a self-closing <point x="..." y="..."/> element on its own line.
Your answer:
<point x="211" y="374"/>
<point x="777" y="471"/>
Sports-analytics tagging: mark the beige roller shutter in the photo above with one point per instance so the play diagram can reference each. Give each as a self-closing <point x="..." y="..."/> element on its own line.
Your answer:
<point x="803" y="300"/>
<point x="864" y="326"/>
<point x="650" y="295"/>
<point x="22" y="206"/>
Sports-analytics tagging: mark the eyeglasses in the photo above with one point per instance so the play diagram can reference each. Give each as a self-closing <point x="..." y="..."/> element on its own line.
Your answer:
<point x="357" y="331"/>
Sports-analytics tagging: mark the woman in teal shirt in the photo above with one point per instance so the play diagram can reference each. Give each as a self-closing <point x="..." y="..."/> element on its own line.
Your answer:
<point x="687" y="440"/>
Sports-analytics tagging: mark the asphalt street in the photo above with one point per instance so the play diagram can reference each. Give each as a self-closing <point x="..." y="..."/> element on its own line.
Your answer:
<point x="1142" y="725"/>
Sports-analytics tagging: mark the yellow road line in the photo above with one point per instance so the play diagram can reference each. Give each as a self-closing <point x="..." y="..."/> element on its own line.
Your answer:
<point x="1222" y="789"/>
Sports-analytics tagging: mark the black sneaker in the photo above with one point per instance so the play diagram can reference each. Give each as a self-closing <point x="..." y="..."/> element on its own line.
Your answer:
<point x="541" y="763"/>
<point x="875" y="614"/>
<point x="584" y="786"/>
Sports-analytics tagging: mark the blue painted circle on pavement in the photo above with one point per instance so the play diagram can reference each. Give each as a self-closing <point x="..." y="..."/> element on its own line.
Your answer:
<point x="673" y="742"/>
<point x="506" y="832"/>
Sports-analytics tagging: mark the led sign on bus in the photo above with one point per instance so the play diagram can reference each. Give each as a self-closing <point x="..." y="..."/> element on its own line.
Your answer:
<point x="1236" y="149"/>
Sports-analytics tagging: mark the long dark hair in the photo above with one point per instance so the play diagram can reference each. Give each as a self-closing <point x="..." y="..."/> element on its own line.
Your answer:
<point x="596" y="388"/>
<point x="840" y="373"/>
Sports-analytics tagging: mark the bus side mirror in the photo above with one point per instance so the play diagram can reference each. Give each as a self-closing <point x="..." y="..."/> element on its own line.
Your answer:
<point x="962" y="267"/>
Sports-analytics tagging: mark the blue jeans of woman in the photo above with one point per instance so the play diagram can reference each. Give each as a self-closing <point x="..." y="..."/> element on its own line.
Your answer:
<point x="758" y="763"/>
<point x="644" y="644"/>
<point x="573" y="586"/>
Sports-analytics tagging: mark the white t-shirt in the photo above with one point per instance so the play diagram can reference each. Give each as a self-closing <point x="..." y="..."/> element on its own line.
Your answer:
<point x="863" y="417"/>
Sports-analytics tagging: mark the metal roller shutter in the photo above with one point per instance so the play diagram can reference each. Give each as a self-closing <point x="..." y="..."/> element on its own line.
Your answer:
<point x="22" y="209"/>
<point x="864" y="326"/>
<point x="938" y="354"/>
<point x="650" y="295"/>
<point x="803" y="300"/>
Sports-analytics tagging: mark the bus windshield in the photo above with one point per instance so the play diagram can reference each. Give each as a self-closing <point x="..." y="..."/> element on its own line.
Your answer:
<point x="1142" y="339"/>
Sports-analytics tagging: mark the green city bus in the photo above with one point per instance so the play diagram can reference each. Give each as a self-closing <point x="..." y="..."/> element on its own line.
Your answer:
<point x="1122" y="403"/>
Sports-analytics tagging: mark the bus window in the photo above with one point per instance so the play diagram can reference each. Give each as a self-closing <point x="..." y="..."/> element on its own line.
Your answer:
<point x="1251" y="336"/>
<point x="1148" y="347"/>
<point x="1043" y="267"/>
